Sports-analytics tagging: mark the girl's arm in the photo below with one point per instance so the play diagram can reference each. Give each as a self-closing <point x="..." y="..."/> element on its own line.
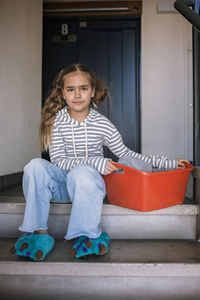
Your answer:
<point x="117" y="146"/>
<point x="58" y="156"/>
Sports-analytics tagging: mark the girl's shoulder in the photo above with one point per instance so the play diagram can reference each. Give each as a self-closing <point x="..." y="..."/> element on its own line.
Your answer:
<point x="61" y="116"/>
<point x="99" y="119"/>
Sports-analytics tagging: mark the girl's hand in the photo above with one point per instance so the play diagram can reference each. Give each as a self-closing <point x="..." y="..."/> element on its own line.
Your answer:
<point x="182" y="162"/>
<point x="110" y="167"/>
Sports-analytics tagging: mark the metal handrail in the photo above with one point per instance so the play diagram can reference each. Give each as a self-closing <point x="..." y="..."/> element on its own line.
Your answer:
<point x="183" y="6"/>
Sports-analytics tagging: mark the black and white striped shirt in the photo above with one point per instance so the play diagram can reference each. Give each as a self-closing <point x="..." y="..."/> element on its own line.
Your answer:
<point x="76" y="142"/>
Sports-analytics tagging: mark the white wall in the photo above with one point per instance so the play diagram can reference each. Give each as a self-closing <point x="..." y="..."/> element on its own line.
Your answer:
<point x="20" y="82"/>
<point x="166" y="82"/>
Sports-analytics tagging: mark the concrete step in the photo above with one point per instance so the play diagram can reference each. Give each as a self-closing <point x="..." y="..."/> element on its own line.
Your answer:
<point x="133" y="269"/>
<point x="176" y="222"/>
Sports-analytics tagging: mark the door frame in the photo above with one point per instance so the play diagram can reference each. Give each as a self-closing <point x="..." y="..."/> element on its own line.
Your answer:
<point x="92" y="8"/>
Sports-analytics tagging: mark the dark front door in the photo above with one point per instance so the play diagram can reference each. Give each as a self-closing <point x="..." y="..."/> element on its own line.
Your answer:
<point x="112" y="49"/>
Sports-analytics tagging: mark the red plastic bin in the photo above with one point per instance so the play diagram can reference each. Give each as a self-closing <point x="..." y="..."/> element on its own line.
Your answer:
<point x="146" y="191"/>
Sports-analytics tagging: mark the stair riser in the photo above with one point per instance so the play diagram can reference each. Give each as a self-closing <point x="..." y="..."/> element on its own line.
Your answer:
<point x="90" y="288"/>
<point x="118" y="226"/>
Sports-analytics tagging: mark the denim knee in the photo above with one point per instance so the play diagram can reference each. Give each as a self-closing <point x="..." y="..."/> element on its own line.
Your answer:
<point x="36" y="171"/>
<point x="34" y="165"/>
<point x="82" y="174"/>
<point x="85" y="177"/>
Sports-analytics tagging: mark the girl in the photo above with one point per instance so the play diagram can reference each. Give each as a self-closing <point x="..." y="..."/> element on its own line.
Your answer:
<point x="74" y="133"/>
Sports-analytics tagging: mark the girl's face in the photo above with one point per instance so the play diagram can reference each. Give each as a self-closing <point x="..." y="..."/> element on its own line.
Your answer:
<point x="77" y="92"/>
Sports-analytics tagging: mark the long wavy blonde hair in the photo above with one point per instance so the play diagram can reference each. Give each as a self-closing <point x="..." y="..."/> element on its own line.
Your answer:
<point x="55" y="101"/>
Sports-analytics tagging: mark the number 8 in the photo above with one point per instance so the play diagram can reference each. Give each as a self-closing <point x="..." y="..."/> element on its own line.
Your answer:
<point x="64" y="29"/>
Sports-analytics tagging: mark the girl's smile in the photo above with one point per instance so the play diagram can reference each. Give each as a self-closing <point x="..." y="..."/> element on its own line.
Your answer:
<point x="77" y="92"/>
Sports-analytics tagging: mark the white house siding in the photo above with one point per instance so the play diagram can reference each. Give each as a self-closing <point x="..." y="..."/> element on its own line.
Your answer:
<point x="20" y="82"/>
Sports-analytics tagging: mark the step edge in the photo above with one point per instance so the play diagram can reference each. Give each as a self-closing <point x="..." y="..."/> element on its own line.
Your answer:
<point x="108" y="209"/>
<point x="100" y="269"/>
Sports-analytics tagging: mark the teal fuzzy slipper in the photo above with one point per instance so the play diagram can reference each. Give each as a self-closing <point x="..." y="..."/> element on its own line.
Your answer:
<point x="35" y="246"/>
<point x="86" y="246"/>
<point x="79" y="241"/>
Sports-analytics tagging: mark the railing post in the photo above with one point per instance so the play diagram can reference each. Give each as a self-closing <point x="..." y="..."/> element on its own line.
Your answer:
<point x="196" y="175"/>
<point x="196" y="95"/>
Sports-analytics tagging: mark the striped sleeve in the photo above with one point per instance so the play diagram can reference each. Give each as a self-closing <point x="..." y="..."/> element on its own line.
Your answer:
<point x="116" y="145"/>
<point x="58" y="156"/>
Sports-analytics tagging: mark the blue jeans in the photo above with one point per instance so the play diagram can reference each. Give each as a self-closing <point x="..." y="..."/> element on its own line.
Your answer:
<point x="82" y="186"/>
